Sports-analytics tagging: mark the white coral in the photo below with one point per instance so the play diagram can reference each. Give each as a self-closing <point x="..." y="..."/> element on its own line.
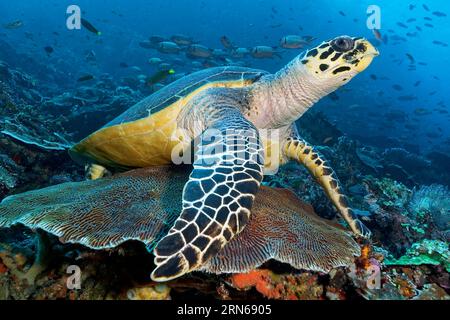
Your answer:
<point x="434" y="200"/>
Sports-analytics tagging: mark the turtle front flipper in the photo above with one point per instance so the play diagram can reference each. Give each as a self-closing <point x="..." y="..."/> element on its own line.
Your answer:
<point x="298" y="149"/>
<point x="217" y="198"/>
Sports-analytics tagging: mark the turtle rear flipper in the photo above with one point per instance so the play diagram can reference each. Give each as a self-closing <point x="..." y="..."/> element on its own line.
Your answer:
<point x="217" y="198"/>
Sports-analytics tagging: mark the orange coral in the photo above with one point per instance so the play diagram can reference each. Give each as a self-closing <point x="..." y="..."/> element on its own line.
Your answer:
<point x="273" y="286"/>
<point x="261" y="280"/>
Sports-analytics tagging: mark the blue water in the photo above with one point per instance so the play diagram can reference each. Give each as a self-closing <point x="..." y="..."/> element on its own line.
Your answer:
<point x="366" y="108"/>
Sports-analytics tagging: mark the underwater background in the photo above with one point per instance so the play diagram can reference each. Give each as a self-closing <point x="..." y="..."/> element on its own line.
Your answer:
<point x="386" y="133"/>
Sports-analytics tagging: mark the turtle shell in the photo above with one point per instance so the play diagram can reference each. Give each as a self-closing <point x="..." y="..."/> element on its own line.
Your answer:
<point x="144" y="134"/>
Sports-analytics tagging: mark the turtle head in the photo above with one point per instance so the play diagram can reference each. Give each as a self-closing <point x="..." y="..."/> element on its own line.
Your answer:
<point x="336" y="62"/>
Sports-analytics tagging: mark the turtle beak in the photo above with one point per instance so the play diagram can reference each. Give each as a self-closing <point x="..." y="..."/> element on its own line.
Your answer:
<point x="367" y="58"/>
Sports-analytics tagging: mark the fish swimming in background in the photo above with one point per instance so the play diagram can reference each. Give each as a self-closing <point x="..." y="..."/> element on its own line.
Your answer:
<point x="14" y="25"/>
<point x="85" y="78"/>
<point x="168" y="47"/>
<point x="226" y="42"/>
<point x="333" y="96"/>
<point x="377" y="34"/>
<point x="426" y="7"/>
<point x="293" y="42"/>
<point x="123" y="65"/>
<point x="49" y="50"/>
<point x="439" y="14"/>
<point x="407" y="98"/>
<point x="411" y="58"/>
<point x="90" y="27"/>
<point x="159" y="76"/>
<point x="263" y="52"/>
<point x="440" y="43"/>
<point x="273" y="26"/>
<point x="198" y="51"/>
<point x="182" y="40"/>
<point x="155" y="61"/>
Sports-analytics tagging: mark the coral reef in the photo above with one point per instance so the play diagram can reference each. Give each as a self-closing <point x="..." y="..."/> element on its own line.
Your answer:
<point x="432" y="200"/>
<point x="433" y="252"/>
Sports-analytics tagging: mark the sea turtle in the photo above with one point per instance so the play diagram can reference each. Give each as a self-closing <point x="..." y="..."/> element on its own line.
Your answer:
<point x="239" y="122"/>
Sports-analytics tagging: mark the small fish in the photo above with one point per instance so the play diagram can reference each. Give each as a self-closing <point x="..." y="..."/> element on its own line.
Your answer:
<point x="198" y="51"/>
<point x="182" y="40"/>
<point x="402" y="25"/>
<point x="429" y="25"/>
<point x="326" y="140"/>
<point x="439" y="14"/>
<point x="427" y="19"/>
<point x="240" y="52"/>
<point x="342" y="13"/>
<point x="155" y="61"/>
<point x="397" y="87"/>
<point x="412" y="7"/>
<point x="417" y="83"/>
<point x="90" y="27"/>
<point x="262" y="52"/>
<point x="226" y="42"/>
<point x="333" y="96"/>
<point x="426" y="7"/>
<point x="123" y="65"/>
<point x="85" y="78"/>
<point x="407" y="98"/>
<point x="440" y="43"/>
<point x="373" y="77"/>
<point x="14" y="25"/>
<point x="377" y="35"/>
<point x="411" y="20"/>
<point x="273" y="26"/>
<point x="159" y="76"/>
<point x="168" y="47"/>
<point x="411" y="58"/>
<point x="49" y="50"/>
<point x="293" y="42"/>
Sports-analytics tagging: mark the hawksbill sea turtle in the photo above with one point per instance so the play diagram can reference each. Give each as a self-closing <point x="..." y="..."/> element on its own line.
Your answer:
<point x="222" y="113"/>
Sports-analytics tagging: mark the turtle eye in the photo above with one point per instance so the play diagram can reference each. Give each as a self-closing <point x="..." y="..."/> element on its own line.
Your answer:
<point x="343" y="44"/>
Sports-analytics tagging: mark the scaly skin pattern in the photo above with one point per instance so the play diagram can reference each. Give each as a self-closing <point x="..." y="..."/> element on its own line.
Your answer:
<point x="218" y="197"/>
<point x="221" y="193"/>
<point x="298" y="150"/>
